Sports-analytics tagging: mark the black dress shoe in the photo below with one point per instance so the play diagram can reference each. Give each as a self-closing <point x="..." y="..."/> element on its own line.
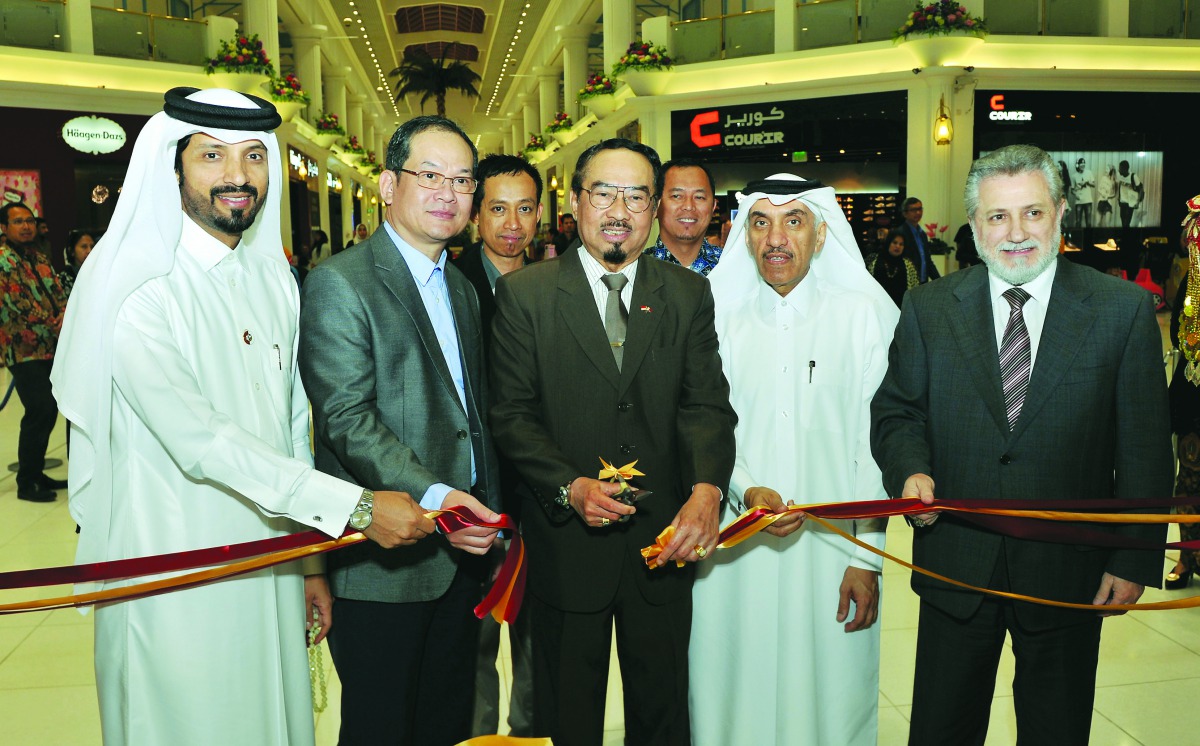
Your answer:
<point x="36" y="494"/>
<point x="1175" y="581"/>
<point x="50" y="483"/>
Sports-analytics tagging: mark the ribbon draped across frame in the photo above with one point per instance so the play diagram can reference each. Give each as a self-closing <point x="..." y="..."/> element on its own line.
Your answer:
<point x="1016" y="518"/>
<point x="502" y="601"/>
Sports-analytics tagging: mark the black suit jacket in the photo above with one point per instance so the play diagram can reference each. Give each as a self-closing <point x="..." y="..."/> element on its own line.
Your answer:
<point x="560" y="405"/>
<point x="1094" y="425"/>
<point x="386" y="411"/>
<point x="912" y="254"/>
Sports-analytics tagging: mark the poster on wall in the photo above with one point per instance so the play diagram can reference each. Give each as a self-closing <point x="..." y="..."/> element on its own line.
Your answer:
<point x="22" y="186"/>
<point x="1115" y="189"/>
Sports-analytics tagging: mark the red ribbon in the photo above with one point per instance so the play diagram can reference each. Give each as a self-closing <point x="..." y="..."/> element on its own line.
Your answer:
<point x="503" y="601"/>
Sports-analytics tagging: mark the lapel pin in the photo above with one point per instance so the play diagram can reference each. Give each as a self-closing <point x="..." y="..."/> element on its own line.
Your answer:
<point x="247" y="337"/>
<point x="646" y="309"/>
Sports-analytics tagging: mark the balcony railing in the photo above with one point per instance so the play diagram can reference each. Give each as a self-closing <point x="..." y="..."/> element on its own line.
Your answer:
<point x="40" y="24"/>
<point x="143" y="36"/>
<point x="831" y="23"/>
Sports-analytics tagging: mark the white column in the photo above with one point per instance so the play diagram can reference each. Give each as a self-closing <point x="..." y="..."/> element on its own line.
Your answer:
<point x="306" y="46"/>
<point x="262" y="17"/>
<point x="785" y="26"/>
<point x="547" y="79"/>
<point x="368" y="134"/>
<point x="354" y="116"/>
<point x="528" y="103"/>
<point x="335" y="93"/>
<point x="323" y="197"/>
<point x="79" y="27"/>
<point x="575" y="69"/>
<point x="519" y="138"/>
<point x="618" y="30"/>
<point x="347" y="209"/>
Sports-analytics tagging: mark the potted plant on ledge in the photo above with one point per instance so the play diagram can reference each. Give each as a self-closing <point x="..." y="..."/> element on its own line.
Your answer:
<point x="644" y="67"/>
<point x="352" y="152"/>
<point x="287" y="95"/>
<point x="599" y="95"/>
<point x="560" y="128"/>
<point x="940" y="33"/>
<point x="535" y="149"/>
<point x="241" y="64"/>
<point x="329" y="129"/>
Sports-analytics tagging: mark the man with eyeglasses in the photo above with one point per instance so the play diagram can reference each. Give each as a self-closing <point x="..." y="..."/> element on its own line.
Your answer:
<point x="916" y="243"/>
<point x="392" y="358"/>
<point x="31" y="308"/>
<point x="608" y="354"/>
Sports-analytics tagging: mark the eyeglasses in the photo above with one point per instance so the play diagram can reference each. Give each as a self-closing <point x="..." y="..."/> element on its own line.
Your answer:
<point x="434" y="180"/>
<point x="602" y="197"/>
<point x="22" y="221"/>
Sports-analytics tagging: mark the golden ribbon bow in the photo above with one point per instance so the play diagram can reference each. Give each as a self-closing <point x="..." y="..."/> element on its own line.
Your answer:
<point x="625" y="472"/>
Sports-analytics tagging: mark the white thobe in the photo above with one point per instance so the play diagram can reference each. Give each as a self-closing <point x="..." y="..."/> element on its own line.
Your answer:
<point x="769" y="662"/>
<point x="210" y="446"/>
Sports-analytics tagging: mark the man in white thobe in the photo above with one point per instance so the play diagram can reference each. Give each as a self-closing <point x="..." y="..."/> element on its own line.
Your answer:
<point x="784" y="649"/>
<point x="177" y="369"/>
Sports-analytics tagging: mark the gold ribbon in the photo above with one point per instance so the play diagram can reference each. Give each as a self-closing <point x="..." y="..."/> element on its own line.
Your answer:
<point x="624" y="472"/>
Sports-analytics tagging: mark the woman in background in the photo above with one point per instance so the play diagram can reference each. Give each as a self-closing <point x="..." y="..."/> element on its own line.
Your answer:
<point x="79" y="244"/>
<point x="890" y="269"/>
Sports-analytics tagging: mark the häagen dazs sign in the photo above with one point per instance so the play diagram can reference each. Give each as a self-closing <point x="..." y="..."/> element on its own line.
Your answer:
<point x="93" y="135"/>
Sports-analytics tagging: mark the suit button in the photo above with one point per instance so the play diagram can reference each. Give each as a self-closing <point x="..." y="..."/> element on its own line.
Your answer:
<point x="1005" y="460"/>
<point x="626" y="449"/>
<point x="624" y="406"/>
<point x="462" y="434"/>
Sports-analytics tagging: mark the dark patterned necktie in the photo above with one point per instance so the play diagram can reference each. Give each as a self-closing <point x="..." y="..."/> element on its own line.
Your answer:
<point x="1015" y="359"/>
<point x="616" y="317"/>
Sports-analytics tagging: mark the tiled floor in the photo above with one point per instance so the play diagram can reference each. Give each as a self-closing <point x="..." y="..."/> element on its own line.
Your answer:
<point x="1149" y="667"/>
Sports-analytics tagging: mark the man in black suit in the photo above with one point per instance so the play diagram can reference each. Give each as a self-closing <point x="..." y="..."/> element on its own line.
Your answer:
<point x="916" y="243"/>
<point x="1029" y="377"/>
<point x="392" y="357"/>
<point x="576" y="378"/>
<point x="507" y="210"/>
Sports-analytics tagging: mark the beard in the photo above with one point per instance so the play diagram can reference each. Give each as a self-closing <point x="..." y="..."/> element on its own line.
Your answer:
<point x="206" y="212"/>
<point x="1027" y="270"/>
<point x="615" y="254"/>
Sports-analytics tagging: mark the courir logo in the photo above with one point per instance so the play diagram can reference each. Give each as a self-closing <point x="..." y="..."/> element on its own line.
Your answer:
<point x="745" y="130"/>
<point x="1000" y="113"/>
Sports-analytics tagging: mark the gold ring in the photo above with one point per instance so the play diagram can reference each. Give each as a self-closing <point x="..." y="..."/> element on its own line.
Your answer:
<point x="604" y="521"/>
<point x="701" y="552"/>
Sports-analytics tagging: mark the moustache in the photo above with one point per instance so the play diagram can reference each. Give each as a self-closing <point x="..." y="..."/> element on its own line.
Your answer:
<point x="1029" y="243"/>
<point x="778" y="250"/>
<point x="624" y="224"/>
<point x="248" y="189"/>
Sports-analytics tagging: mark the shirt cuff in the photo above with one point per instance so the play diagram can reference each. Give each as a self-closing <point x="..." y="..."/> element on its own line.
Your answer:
<point x="325" y="503"/>
<point x="435" y="496"/>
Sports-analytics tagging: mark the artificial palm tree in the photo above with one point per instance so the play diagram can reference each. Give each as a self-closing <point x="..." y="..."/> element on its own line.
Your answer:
<point x="420" y="73"/>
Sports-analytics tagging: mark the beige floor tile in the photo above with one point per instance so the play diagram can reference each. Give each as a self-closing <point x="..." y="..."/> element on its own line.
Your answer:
<point x="50" y="656"/>
<point x="1133" y="653"/>
<point x="1156" y="712"/>
<point x="893" y="727"/>
<point x="50" y="716"/>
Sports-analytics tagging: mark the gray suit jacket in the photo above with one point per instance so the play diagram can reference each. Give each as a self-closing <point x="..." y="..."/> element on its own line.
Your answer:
<point x="386" y="412"/>
<point x="1094" y="425"/>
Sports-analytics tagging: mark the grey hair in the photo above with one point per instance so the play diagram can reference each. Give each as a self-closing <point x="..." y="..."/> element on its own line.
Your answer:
<point x="1012" y="160"/>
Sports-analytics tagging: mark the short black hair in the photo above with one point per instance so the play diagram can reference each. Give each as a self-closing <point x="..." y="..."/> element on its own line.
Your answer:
<point x="909" y="203"/>
<point x="400" y="146"/>
<point x="5" y="210"/>
<point x="617" y="143"/>
<point x="501" y="164"/>
<point x="179" y="148"/>
<point x="73" y="238"/>
<point x="684" y="163"/>
<point x="564" y="216"/>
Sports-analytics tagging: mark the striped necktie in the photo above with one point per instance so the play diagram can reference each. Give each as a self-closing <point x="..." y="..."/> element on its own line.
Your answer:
<point x="1015" y="359"/>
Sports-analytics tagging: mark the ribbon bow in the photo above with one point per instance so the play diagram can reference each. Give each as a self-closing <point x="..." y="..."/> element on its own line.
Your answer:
<point x="625" y="472"/>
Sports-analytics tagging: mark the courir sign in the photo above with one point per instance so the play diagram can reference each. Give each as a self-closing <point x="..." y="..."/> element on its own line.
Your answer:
<point x="93" y="134"/>
<point x="728" y="129"/>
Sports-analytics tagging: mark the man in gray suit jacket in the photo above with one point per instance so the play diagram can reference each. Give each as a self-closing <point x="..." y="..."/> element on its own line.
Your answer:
<point x="392" y="357"/>
<point x="1029" y="377"/>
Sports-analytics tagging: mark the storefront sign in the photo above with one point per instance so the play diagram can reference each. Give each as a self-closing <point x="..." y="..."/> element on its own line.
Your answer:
<point x="999" y="111"/>
<point x="93" y="135"/>
<point x="730" y="130"/>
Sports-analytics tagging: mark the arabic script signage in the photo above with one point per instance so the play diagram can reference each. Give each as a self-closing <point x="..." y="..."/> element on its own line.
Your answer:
<point x="757" y="129"/>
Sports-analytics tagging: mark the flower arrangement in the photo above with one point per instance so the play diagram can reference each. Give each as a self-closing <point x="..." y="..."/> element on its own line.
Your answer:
<point x="368" y="159"/>
<point x="536" y="142"/>
<point x="353" y="146"/>
<point x="598" y="84"/>
<point x="560" y="123"/>
<point x="940" y="18"/>
<point x="329" y="124"/>
<point x="937" y="242"/>
<point x="242" y="54"/>
<point x="643" y="55"/>
<point x="288" y="88"/>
